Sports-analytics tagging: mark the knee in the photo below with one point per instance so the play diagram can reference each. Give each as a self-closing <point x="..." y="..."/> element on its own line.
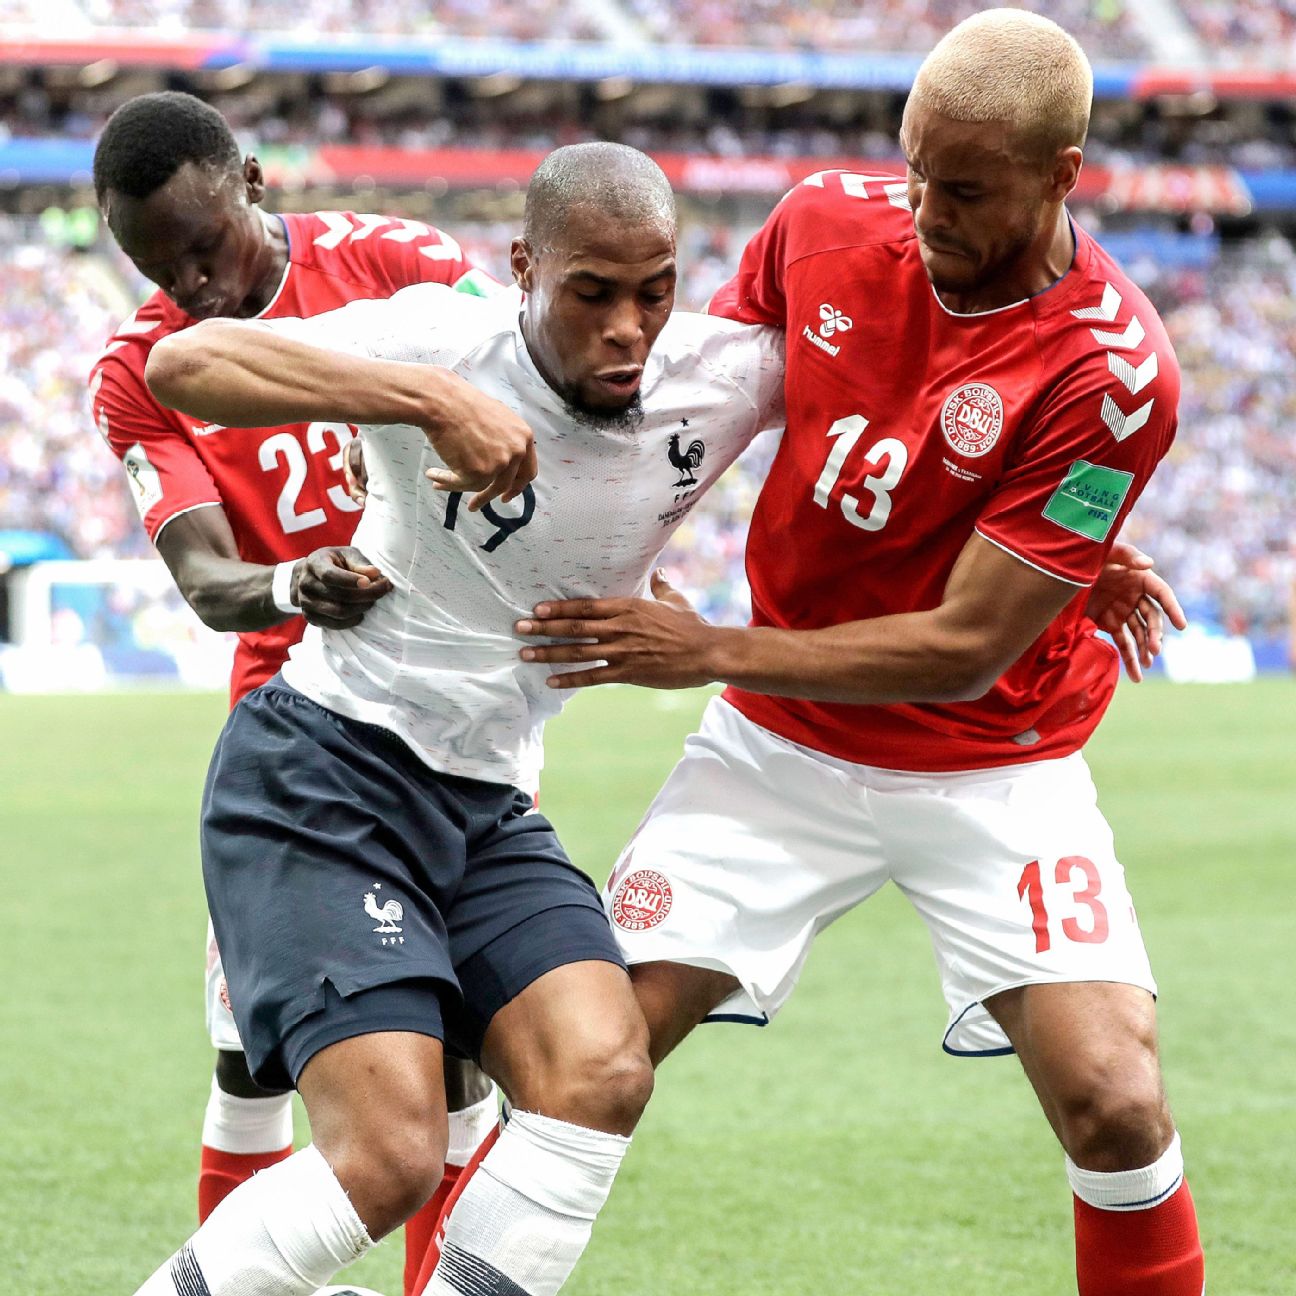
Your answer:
<point x="602" y="1082"/>
<point x="388" y="1167"/>
<point x="1115" y="1117"/>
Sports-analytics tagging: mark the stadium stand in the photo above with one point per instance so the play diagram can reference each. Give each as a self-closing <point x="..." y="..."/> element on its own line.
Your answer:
<point x="536" y="20"/>
<point x="1258" y="33"/>
<point x="1102" y="26"/>
<point x="55" y="476"/>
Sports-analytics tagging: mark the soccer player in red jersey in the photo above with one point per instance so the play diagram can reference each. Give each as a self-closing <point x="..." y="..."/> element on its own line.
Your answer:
<point x="256" y="529"/>
<point x="976" y="396"/>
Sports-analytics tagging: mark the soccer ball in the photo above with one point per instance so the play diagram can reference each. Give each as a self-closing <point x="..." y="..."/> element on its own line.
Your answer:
<point x="347" y="1291"/>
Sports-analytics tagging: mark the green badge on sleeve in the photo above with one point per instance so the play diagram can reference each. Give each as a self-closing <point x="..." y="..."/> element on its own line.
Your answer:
<point x="1088" y="499"/>
<point x="476" y="284"/>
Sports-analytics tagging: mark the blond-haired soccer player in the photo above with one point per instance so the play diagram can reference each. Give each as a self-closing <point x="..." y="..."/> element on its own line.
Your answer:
<point x="976" y="395"/>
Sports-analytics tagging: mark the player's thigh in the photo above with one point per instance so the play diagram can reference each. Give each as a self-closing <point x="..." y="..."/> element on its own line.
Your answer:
<point x="1089" y="1049"/>
<point x="574" y="1045"/>
<point x="522" y="909"/>
<point x="1015" y="873"/>
<point x="357" y="1087"/>
<point x="752" y="847"/>
<point x="677" y="997"/>
<point x="377" y="1111"/>
<point x="546" y="1001"/>
<point x="313" y="884"/>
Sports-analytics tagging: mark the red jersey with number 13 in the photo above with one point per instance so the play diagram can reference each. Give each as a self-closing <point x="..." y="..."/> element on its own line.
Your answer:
<point x="282" y="488"/>
<point x="909" y="429"/>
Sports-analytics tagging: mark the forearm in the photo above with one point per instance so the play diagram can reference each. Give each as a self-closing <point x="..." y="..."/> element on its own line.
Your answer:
<point x="243" y="375"/>
<point x="229" y="594"/>
<point x="910" y="657"/>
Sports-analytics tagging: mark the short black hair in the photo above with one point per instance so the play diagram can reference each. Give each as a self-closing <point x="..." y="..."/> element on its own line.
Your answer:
<point x="149" y="138"/>
<point x="621" y="183"/>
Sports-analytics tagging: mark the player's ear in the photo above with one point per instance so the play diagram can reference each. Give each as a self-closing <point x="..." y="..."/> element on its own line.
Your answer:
<point x="522" y="263"/>
<point x="253" y="179"/>
<point x="1065" y="173"/>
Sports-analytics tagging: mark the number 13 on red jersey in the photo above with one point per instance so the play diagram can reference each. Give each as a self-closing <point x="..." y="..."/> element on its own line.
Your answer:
<point x="843" y="436"/>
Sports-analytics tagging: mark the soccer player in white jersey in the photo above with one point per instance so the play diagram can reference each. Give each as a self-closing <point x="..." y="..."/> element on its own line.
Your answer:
<point x="921" y="674"/>
<point x="378" y="876"/>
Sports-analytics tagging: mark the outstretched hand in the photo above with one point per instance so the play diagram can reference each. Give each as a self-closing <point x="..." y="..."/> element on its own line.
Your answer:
<point x="1132" y="603"/>
<point x="335" y="587"/>
<point x="658" y="642"/>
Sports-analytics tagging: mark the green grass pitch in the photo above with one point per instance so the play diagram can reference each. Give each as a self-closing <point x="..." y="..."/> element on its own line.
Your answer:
<point x="837" y="1151"/>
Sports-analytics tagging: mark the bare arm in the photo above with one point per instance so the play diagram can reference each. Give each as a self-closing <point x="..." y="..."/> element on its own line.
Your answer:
<point x="244" y="374"/>
<point x="334" y="587"/>
<point x="993" y="609"/>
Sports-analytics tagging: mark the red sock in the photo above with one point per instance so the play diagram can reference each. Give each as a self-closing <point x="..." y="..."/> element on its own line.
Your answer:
<point x="219" y="1173"/>
<point x="421" y="1227"/>
<point x="1154" y="1252"/>
<point x="433" y="1251"/>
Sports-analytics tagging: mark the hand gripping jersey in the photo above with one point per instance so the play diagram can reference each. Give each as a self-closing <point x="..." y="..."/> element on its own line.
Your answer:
<point x="436" y="661"/>
<point x="909" y="428"/>
<point x="281" y="487"/>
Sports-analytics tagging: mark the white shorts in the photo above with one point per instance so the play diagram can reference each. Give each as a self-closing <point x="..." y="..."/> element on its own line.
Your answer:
<point x="755" y="844"/>
<point x="220" y="1020"/>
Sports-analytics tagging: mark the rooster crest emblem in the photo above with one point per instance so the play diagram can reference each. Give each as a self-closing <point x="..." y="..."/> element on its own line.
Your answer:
<point x="686" y="460"/>
<point x="387" y="916"/>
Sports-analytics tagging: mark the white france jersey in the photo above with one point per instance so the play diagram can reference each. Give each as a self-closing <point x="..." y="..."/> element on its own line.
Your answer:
<point x="436" y="661"/>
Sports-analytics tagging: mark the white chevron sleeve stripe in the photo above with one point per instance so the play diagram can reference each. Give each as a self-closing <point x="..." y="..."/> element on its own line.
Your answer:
<point x="1134" y="379"/>
<point x="1111" y="303"/>
<point x="1127" y="340"/>
<point x="1123" y="425"/>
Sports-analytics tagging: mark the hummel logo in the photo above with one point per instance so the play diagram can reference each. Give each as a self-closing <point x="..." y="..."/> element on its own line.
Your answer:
<point x="833" y="321"/>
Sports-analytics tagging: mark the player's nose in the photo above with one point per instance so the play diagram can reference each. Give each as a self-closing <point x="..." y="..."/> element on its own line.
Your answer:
<point x="188" y="279"/>
<point x="624" y="326"/>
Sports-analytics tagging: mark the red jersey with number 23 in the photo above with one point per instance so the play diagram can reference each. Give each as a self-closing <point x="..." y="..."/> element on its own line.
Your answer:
<point x="282" y="488"/>
<point x="909" y="429"/>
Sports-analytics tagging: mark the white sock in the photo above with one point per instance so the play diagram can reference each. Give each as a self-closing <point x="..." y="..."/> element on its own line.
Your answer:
<point x="469" y="1126"/>
<point x="245" y="1125"/>
<point x="527" y="1214"/>
<point x="1130" y="1190"/>
<point x="285" y="1232"/>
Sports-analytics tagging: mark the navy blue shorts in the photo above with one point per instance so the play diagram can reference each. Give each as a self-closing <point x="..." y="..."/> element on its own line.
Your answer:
<point x="355" y="890"/>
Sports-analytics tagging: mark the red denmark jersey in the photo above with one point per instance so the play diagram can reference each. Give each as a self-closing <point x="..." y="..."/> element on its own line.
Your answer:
<point x="282" y="487"/>
<point x="909" y="428"/>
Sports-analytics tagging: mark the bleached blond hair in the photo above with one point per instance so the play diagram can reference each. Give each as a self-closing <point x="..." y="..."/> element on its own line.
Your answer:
<point x="1010" y="66"/>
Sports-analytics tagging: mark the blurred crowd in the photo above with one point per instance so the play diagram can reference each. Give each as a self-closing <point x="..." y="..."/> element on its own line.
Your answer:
<point x="1246" y="32"/>
<point x="1102" y="26"/>
<point x="535" y="20"/>
<point x="306" y="113"/>
<point x="56" y="475"/>
<point x="1218" y="515"/>
<point x="1260" y="32"/>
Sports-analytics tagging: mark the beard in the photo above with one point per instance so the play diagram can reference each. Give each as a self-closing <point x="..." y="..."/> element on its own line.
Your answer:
<point x="626" y="420"/>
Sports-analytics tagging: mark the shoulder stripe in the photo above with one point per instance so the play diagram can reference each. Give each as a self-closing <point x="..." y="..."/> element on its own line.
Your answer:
<point x="133" y="325"/>
<point x="1120" y="424"/>
<point x="1126" y="340"/>
<point x="1106" y="310"/>
<point x="1134" y="379"/>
